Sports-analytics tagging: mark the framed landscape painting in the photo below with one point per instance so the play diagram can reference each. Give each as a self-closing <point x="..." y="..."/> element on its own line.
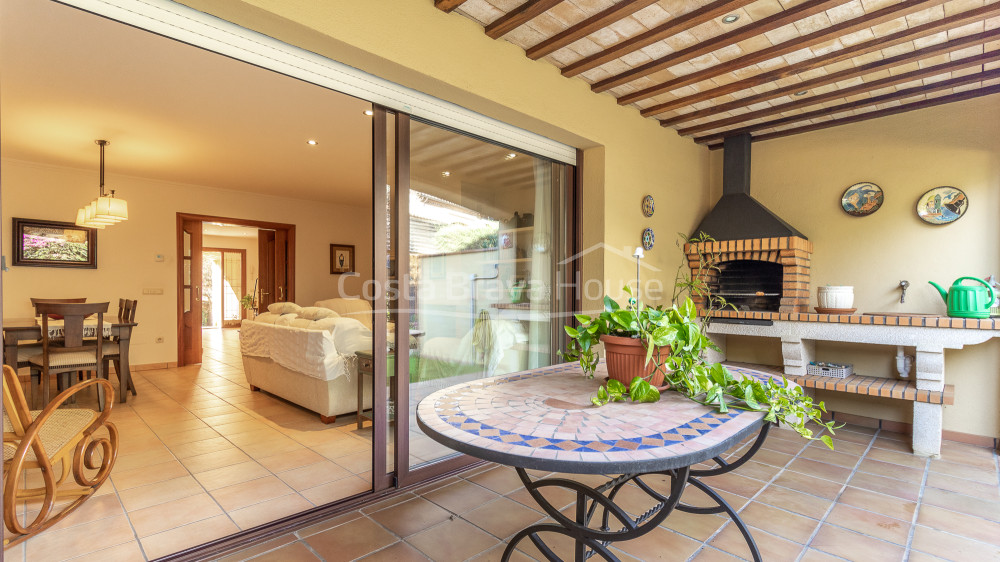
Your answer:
<point x="42" y="243"/>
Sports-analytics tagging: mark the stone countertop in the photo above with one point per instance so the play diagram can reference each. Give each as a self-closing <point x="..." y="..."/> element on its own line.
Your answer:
<point x="867" y="319"/>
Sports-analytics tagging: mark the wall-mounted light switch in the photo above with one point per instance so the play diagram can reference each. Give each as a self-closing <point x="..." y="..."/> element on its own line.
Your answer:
<point x="152" y="291"/>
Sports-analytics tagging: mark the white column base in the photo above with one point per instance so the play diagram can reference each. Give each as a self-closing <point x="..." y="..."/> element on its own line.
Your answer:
<point x="927" y="425"/>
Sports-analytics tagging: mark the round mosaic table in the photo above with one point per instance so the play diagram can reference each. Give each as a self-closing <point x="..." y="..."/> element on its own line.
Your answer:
<point x="543" y="419"/>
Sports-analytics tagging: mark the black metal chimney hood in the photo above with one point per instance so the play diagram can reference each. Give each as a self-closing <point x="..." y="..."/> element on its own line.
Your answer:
<point x="737" y="215"/>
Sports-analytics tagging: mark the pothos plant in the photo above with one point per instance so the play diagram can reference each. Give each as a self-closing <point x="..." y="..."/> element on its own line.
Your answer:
<point x="685" y="368"/>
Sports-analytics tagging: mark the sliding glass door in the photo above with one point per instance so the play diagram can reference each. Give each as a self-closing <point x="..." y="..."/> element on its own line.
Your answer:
<point x="477" y="289"/>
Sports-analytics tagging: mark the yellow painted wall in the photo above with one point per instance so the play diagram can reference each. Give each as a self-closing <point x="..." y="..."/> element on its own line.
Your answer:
<point x="126" y="251"/>
<point x="448" y="56"/>
<point x="237" y="243"/>
<point x="801" y="178"/>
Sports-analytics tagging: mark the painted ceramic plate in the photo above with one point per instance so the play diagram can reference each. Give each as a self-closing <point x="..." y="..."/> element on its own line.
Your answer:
<point x="648" y="239"/>
<point x="647" y="206"/>
<point x="862" y="199"/>
<point x="942" y="205"/>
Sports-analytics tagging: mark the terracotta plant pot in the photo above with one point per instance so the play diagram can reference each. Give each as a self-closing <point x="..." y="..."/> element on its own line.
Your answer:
<point x="626" y="359"/>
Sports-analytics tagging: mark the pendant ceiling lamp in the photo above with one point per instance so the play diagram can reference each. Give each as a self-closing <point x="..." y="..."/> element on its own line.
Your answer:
<point x="106" y="209"/>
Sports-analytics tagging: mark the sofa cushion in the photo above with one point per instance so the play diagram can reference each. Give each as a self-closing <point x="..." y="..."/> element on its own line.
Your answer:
<point x="286" y="319"/>
<point x="359" y="309"/>
<point x="284" y="308"/>
<point x="316" y="313"/>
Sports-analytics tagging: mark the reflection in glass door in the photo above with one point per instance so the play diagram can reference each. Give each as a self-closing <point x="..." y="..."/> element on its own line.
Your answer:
<point x="485" y="234"/>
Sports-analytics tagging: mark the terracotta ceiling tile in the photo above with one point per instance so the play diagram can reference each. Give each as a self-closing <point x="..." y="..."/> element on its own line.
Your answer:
<point x="970" y="29"/>
<point x="931" y="61"/>
<point x="772" y="64"/>
<point x="904" y="68"/>
<point x="628" y="27"/>
<point x="568" y="13"/>
<point x="548" y="24"/>
<point x="586" y="47"/>
<point x="595" y="75"/>
<point x="824" y="89"/>
<point x="562" y="57"/>
<point x="966" y="52"/>
<point x="679" y="7"/>
<point x="745" y="72"/>
<point x="849" y="82"/>
<point x="782" y="34"/>
<point x="965" y="72"/>
<point x="956" y="6"/>
<point x="698" y="63"/>
<point x="786" y="81"/>
<point x="758" y="106"/>
<point x="900" y="49"/>
<point x="993" y="82"/>
<point x="993" y="45"/>
<point x="728" y="53"/>
<point x="857" y="37"/>
<point x="872" y="5"/>
<point x="589" y="6"/>
<point x="483" y="12"/>
<point x="827" y="47"/>
<point x="892" y="26"/>
<point x="654" y="15"/>
<point x="721" y="80"/>
<point x="711" y="30"/>
<point x="814" y="73"/>
<point x="798" y="56"/>
<point x="657" y="50"/>
<point x="525" y="36"/>
<point x="867" y="58"/>
<point x="813" y="23"/>
<point x="661" y="76"/>
<point x="924" y="42"/>
<point x="925" y="16"/>
<point x="910" y="84"/>
<point x="635" y="58"/>
<point x="616" y="66"/>
<point x="993" y="23"/>
<point x="681" y="40"/>
<point x="605" y="37"/>
<point x="753" y="44"/>
<point x="845" y="12"/>
<point x="762" y="9"/>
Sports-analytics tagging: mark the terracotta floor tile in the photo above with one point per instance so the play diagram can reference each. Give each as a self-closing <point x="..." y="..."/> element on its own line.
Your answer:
<point x="818" y="469"/>
<point x="176" y="513"/>
<point x="410" y="517"/>
<point x="808" y="484"/>
<point x="180" y="538"/>
<point x="81" y="539"/>
<point x="462" y="496"/>
<point x="890" y="470"/>
<point x="788" y="447"/>
<point x="710" y="554"/>
<point x="812" y="555"/>
<point x="212" y="445"/>
<point x="891" y="506"/>
<point x="959" y="524"/>
<point x="270" y="510"/>
<point x="260" y="548"/>
<point x="784" y="498"/>
<point x="294" y="552"/>
<point x="694" y="525"/>
<point x="823" y="454"/>
<point x="895" y="457"/>
<point x="327" y="524"/>
<point x="438" y="544"/>
<point x="94" y="509"/>
<point x="125" y="479"/>
<point x="952" y="547"/>
<point x="351" y="540"/>
<point x="871" y="524"/>
<point x="883" y="442"/>
<point x="962" y="486"/>
<point x="502" y="517"/>
<point x="313" y="475"/>
<point x="125" y="552"/>
<point x="773" y="458"/>
<point x="657" y="542"/>
<point x="501" y="480"/>
<point x="190" y="436"/>
<point x="986" y="508"/>
<point x="974" y="473"/>
<point x="785" y="524"/>
<point x="495" y="554"/>
<point x="337" y="490"/>
<point x="141" y="460"/>
<point x="734" y="483"/>
<point x="971" y="455"/>
<point x="852" y="546"/>
<point x="289" y="460"/>
<point x="771" y="547"/>
<point x="211" y="461"/>
<point x="229" y="475"/>
<point x="398" y="552"/>
<point x="243" y="494"/>
<point x="898" y="488"/>
<point x="161" y="492"/>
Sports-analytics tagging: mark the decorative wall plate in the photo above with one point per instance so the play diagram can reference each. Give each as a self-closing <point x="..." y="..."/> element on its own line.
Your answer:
<point x="648" y="239"/>
<point x="942" y="205"/>
<point x="862" y="199"/>
<point x="647" y="206"/>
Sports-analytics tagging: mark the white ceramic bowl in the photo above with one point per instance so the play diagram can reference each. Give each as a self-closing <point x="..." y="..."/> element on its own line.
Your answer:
<point x="831" y="296"/>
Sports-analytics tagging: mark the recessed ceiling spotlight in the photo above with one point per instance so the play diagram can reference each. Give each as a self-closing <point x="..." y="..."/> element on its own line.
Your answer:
<point x="510" y="156"/>
<point x="731" y="18"/>
<point x="369" y="112"/>
<point x="802" y="93"/>
<point x="445" y="174"/>
<point x="312" y="142"/>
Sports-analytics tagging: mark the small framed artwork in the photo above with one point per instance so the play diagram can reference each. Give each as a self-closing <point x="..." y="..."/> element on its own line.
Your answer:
<point x="862" y="199"/>
<point x="42" y="243"/>
<point x="341" y="258"/>
<point x="942" y="205"/>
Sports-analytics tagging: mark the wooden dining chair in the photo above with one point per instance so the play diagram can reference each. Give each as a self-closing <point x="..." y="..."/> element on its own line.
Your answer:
<point x="45" y="447"/>
<point x="112" y="351"/>
<point x="68" y="353"/>
<point x="28" y="349"/>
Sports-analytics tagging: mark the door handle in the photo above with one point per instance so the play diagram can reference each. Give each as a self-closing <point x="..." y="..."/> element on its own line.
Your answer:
<point x="281" y="293"/>
<point x="197" y="293"/>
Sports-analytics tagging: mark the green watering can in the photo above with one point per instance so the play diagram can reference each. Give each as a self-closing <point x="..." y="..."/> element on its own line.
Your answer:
<point x="965" y="301"/>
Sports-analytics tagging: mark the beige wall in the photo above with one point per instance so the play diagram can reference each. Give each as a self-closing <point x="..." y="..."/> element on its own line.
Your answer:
<point x="802" y="177"/>
<point x="447" y="55"/>
<point x="126" y="251"/>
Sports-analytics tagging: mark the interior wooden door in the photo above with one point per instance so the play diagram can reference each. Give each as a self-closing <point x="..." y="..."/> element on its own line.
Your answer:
<point x="190" y="292"/>
<point x="265" y="268"/>
<point x="274" y="266"/>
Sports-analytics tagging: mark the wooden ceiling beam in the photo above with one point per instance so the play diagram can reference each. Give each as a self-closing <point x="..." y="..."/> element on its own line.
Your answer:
<point x="901" y="78"/>
<point x="447" y="6"/>
<point x="752" y="29"/>
<point x="594" y="23"/>
<point x="518" y="17"/>
<point x="859" y="23"/>
<point x="906" y="58"/>
<point x="859" y="49"/>
<point x="894" y="96"/>
<point x="667" y="29"/>
<point x="922" y="104"/>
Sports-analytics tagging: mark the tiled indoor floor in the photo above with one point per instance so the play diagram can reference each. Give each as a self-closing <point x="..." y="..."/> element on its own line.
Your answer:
<point x="203" y="457"/>
<point x="869" y="500"/>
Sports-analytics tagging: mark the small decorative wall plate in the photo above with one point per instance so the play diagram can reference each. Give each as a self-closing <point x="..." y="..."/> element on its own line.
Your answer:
<point x="647" y="205"/>
<point x="862" y="199"/>
<point x="648" y="239"/>
<point x="942" y="205"/>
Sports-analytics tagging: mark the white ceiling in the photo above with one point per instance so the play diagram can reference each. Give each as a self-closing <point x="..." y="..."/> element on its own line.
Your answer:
<point x="171" y="111"/>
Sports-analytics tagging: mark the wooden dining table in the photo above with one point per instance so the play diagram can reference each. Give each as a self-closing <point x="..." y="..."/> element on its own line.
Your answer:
<point x="16" y="330"/>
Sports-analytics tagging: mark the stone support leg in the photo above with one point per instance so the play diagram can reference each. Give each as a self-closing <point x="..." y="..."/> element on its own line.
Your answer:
<point x="928" y="418"/>
<point x="797" y="353"/>
<point x="713" y="356"/>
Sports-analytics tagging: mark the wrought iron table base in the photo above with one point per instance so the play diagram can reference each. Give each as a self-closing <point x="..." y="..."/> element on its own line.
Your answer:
<point x="601" y="501"/>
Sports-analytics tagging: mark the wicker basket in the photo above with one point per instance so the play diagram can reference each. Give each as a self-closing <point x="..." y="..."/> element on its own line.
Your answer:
<point x="829" y="370"/>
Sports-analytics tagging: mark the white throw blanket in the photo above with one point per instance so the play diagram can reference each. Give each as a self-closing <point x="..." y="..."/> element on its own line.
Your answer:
<point x="318" y="353"/>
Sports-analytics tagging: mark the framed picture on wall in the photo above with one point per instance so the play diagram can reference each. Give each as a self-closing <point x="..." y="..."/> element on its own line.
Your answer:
<point x="42" y="243"/>
<point x="341" y="258"/>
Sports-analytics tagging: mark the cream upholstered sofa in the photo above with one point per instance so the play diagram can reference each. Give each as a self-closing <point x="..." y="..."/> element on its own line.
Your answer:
<point x="307" y="355"/>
